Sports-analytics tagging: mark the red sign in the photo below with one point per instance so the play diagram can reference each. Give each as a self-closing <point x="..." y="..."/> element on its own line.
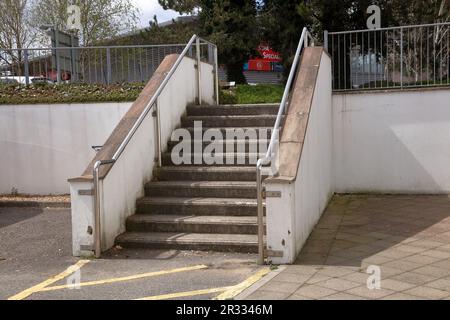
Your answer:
<point x="268" y="54"/>
<point x="266" y="62"/>
<point x="259" y="65"/>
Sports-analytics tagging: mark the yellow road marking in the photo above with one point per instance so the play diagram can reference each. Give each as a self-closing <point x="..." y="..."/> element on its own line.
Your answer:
<point x="39" y="287"/>
<point x="133" y="277"/>
<point x="185" y="294"/>
<point x="237" y="289"/>
<point x="228" y="292"/>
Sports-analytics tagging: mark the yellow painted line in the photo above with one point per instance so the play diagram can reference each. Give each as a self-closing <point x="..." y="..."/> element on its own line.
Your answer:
<point x="39" y="287"/>
<point x="133" y="277"/>
<point x="228" y="292"/>
<point x="185" y="294"/>
<point x="237" y="289"/>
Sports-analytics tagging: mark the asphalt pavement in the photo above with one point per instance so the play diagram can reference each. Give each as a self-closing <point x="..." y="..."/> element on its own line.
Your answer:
<point x="35" y="253"/>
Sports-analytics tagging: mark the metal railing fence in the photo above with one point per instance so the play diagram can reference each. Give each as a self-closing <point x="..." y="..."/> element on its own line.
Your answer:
<point x="90" y="65"/>
<point x="408" y="56"/>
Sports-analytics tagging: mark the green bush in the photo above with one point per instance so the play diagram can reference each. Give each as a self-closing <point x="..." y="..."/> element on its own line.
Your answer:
<point x="127" y="92"/>
<point x="227" y="97"/>
<point x="69" y="93"/>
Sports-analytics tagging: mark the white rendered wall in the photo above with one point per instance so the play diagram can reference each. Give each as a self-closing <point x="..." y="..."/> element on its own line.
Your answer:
<point x="124" y="183"/>
<point x="392" y="142"/>
<point x="291" y="218"/>
<point x="41" y="146"/>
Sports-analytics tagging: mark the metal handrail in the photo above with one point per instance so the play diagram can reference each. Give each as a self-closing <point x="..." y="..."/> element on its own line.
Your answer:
<point x="126" y="141"/>
<point x="304" y="42"/>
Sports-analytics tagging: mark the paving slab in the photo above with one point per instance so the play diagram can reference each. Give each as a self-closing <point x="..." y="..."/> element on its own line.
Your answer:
<point x="406" y="237"/>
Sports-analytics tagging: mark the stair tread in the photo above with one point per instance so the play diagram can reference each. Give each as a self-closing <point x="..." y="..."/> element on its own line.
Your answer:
<point x="199" y="201"/>
<point x="207" y="169"/>
<point x="188" y="238"/>
<point x="228" y="141"/>
<point x="252" y="105"/>
<point x="225" y="153"/>
<point x="256" y="116"/>
<point x="190" y="219"/>
<point x="202" y="184"/>
<point x="231" y="128"/>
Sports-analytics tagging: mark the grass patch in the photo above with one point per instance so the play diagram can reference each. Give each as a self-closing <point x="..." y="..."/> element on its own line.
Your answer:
<point x="69" y="93"/>
<point x="247" y="94"/>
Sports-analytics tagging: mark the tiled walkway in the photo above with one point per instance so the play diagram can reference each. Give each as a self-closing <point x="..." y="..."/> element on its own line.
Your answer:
<point x="408" y="237"/>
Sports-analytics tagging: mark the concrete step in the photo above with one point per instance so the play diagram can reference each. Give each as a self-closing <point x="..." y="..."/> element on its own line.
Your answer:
<point x="260" y="145"/>
<point x="197" y="206"/>
<point x="223" y="159"/>
<point x="231" y="132"/>
<point x="230" y="121"/>
<point x="190" y="241"/>
<point x="236" y="110"/>
<point x="205" y="189"/>
<point x="191" y="173"/>
<point x="192" y="224"/>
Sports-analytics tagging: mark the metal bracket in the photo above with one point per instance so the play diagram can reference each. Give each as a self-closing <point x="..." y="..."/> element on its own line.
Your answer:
<point x="273" y="253"/>
<point x="89" y="192"/>
<point x="272" y="194"/>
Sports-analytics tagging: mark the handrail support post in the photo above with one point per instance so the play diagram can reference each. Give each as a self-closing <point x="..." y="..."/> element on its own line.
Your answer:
<point x="158" y="134"/>
<point x="216" y="69"/>
<point x="97" y="206"/>
<point x="199" y="80"/>
<point x="260" y="214"/>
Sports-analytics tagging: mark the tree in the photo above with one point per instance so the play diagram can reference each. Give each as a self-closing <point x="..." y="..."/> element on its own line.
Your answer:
<point x="177" y="32"/>
<point x="346" y="15"/>
<point x="100" y="19"/>
<point x="281" y="25"/>
<point x="15" y="31"/>
<point x="232" y="24"/>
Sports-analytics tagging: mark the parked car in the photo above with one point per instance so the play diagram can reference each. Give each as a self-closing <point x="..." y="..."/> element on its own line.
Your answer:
<point x="22" y="80"/>
<point x="8" y="81"/>
<point x="36" y="80"/>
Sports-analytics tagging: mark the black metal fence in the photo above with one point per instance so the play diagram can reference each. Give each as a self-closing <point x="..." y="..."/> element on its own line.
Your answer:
<point x="409" y="56"/>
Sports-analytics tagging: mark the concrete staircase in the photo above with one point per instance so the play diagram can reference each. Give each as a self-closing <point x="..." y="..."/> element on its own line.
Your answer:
<point x="200" y="207"/>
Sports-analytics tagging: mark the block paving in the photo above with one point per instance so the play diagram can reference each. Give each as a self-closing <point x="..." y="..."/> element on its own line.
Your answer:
<point x="407" y="237"/>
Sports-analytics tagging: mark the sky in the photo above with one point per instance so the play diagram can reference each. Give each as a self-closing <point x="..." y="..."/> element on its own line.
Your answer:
<point x="148" y="8"/>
